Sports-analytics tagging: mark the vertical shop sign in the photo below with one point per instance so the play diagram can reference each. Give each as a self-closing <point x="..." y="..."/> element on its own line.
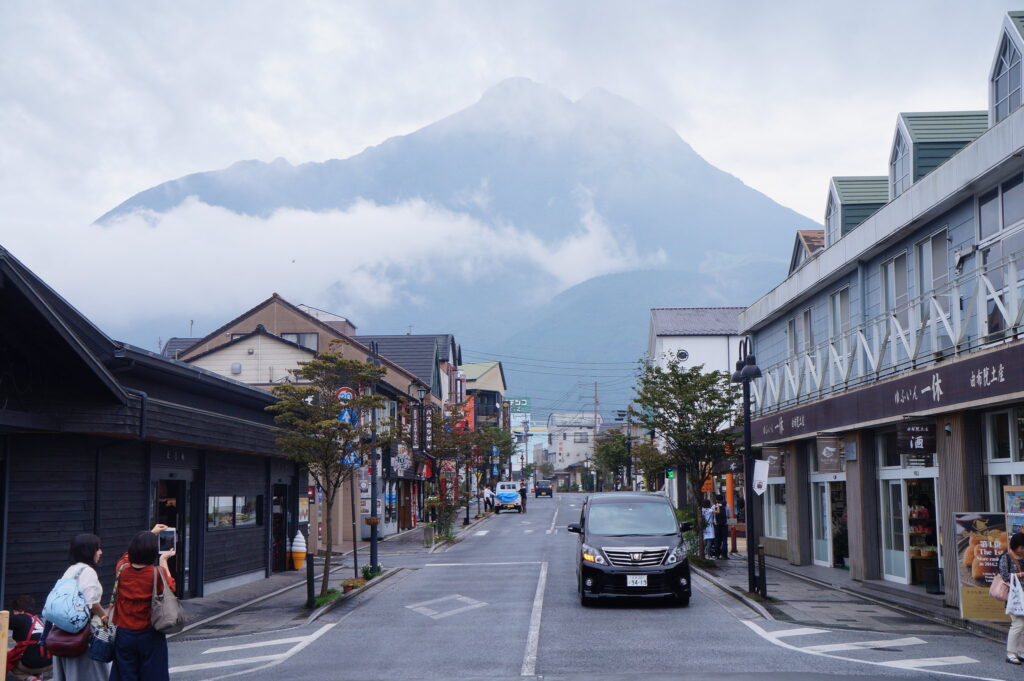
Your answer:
<point x="776" y="464"/>
<point x="916" y="441"/>
<point x="1014" y="498"/>
<point x="830" y="459"/>
<point x="980" y="540"/>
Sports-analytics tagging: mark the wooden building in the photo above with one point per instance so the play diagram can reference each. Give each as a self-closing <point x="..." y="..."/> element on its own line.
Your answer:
<point x="103" y="437"/>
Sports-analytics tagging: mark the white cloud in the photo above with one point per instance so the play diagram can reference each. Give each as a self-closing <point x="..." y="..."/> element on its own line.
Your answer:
<point x="203" y="262"/>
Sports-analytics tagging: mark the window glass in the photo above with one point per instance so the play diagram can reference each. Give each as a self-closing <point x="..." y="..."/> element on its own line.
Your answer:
<point x="626" y="519"/>
<point x="220" y="512"/>
<point x="1007" y="80"/>
<point x="246" y="511"/>
<point x="306" y="340"/>
<point x="999" y="435"/>
<point x="832" y="230"/>
<point x="899" y="167"/>
<point x="988" y="214"/>
<point x="808" y="330"/>
<point x="1013" y="201"/>
<point x="580" y="437"/>
<point x="887" y="453"/>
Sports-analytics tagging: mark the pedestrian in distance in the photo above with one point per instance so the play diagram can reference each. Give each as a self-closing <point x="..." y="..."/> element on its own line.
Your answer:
<point x="1012" y="563"/>
<point x="488" y="498"/>
<point x="522" y="495"/>
<point x="722" y="515"/>
<point x="85" y="554"/>
<point x="709" y="527"/>
<point x="140" y="651"/>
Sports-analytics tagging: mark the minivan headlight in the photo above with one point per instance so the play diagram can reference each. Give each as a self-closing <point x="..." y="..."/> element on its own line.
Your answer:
<point x="592" y="555"/>
<point x="675" y="555"/>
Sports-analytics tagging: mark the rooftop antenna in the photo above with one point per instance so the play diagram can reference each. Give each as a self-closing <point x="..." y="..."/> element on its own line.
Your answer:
<point x="190" y="323"/>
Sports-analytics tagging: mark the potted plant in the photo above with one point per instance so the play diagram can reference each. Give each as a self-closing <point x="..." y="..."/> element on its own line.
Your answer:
<point x="372" y="520"/>
<point x="352" y="583"/>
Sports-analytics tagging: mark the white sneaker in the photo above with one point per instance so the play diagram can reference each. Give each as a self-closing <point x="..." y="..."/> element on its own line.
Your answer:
<point x="1012" y="659"/>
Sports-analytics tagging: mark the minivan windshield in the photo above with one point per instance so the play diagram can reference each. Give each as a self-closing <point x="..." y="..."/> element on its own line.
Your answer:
<point x="543" y="483"/>
<point x="629" y="519"/>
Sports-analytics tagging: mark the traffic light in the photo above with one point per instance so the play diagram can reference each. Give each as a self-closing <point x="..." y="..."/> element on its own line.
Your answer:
<point x="670" y="473"/>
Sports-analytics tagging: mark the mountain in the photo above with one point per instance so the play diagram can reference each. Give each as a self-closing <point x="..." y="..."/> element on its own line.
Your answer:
<point x="526" y="157"/>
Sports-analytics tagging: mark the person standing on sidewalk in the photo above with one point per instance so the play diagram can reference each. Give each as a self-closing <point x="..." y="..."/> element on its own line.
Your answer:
<point x="86" y="553"/>
<point x="488" y="498"/>
<point x="722" y="528"/>
<point x="709" y="528"/>
<point x="1012" y="562"/>
<point x="522" y="495"/>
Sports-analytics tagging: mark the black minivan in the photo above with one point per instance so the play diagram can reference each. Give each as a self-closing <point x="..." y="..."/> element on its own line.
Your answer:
<point x="631" y="545"/>
<point x="543" y="489"/>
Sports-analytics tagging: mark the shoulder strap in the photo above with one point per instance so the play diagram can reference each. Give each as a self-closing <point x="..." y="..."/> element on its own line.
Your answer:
<point x="80" y="571"/>
<point x="113" y="594"/>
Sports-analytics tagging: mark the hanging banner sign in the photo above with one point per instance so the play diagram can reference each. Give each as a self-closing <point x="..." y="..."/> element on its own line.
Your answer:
<point x="830" y="458"/>
<point x="760" y="479"/>
<point x="1014" y="498"/>
<point x="980" y="540"/>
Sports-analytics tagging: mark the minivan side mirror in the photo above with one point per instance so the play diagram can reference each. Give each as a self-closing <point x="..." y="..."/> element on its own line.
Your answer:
<point x="685" y="526"/>
<point x="574" y="528"/>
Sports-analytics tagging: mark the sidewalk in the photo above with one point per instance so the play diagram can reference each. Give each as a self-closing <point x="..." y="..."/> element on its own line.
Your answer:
<point x="829" y="597"/>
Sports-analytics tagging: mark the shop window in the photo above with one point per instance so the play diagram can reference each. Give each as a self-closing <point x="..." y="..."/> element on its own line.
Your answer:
<point x="888" y="454"/>
<point x="223" y="512"/>
<point x="775" y="511"/>
<point x="997" y="432"/>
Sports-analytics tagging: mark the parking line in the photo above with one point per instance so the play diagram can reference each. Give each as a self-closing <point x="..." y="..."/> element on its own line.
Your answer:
<point x="929" y="662"/>
<point x="533" y="638"/>
<point x="864" y="645"/>
<point x="480" y="533"/>
<point x="802" y="631"/>
<point x="258" y="644"/>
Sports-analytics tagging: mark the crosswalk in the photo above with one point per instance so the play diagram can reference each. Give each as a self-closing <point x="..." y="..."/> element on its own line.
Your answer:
<point x="225" y="658"/>
<point x="882" y="652"/>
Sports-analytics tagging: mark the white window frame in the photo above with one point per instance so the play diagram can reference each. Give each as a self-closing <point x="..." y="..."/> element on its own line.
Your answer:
<point x="833" y="222"/>
<point x="771" y="530"/>
<point x="807" y="328"/>
<point x="1009" y="57"/>
<point x="901" y="171"/>
<point x="899" y="302"/>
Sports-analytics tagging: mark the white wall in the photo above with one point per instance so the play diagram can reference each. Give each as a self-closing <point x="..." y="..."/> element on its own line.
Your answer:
<point x="714" y="352"/>
<point x="269" y="361"/>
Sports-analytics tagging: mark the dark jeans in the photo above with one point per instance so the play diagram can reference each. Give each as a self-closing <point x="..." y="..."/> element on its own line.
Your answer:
<point x="139" y="655"/>
<point x="722" y="540"/>
<point x="488" y="504"/>
<point x="522" y="499"/>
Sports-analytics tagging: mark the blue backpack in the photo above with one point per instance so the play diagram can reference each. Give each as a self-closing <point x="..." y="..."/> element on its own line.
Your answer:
<point x="65" y="605"/>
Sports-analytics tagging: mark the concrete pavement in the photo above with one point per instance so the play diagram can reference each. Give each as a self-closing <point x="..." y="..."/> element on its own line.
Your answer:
<point x="502" y="604"/>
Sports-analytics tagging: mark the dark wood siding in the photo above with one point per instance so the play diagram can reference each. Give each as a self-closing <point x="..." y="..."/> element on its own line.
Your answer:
<point x="235" y="551"/>
<point x="124" y="494"/>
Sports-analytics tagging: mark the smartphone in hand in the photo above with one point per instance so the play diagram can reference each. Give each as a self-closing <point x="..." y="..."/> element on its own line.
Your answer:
<point x="168" y="540"/>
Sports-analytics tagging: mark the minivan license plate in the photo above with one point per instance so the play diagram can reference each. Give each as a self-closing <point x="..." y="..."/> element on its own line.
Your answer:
<point x="636" y="580"/>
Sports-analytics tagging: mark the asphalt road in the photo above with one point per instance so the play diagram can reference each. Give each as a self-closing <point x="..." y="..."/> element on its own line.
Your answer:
<point x="502" y="604"/>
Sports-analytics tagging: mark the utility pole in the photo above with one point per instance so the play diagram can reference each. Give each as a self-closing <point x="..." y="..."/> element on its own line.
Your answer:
<point x="593" y="442"/>
<point x="374" y="494"/>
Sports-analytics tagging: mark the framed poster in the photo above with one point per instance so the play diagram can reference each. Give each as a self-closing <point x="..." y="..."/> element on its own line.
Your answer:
<point x="980" y="539"/>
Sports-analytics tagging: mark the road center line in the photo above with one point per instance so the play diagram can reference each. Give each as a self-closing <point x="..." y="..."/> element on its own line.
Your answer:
<point x="554" y="518"/>
<point x="533" y="638"/>
<point x="522" y="562"/>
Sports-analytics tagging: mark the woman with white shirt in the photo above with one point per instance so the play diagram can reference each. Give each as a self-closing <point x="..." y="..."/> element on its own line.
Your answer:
<point x="709" y="527"/>
<point x="85" y="555"/>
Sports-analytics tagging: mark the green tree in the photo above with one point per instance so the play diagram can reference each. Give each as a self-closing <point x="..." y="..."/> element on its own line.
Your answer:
<point x="491" y="437"/>
<point x="528" y="470"/>
<point x="650" y="461"/>
<point x="546" y="469"/>
<point x="691" y="412"/>
<point x="611" y="452"/>
<point x="310" y="432"/>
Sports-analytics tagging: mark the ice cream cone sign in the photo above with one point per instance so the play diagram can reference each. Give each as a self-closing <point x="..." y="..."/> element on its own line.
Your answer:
<point x="298" y="551"/>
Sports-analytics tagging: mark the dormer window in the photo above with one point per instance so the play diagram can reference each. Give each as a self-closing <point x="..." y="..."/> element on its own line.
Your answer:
<point x="1006" y="80"/>
<point x="899" y="166"/>
<point x="832" y="222"/>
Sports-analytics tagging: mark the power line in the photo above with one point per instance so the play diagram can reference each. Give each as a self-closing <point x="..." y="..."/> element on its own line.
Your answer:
<point x="552" y="361"/>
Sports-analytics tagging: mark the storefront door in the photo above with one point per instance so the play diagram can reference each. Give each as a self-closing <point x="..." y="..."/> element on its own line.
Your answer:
<point x="172" y="506"/>
<point x="279" y="529"/>
<point x="894" y="532"/>
<point x="821" y="524"/>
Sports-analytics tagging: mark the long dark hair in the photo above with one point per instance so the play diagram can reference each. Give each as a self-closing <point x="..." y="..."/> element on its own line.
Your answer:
<point x="83" y="549"/>
<point x="144" y="548"/>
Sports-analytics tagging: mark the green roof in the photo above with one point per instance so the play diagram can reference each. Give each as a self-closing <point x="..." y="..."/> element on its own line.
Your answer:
<point x="945" y="126"/>
<point x="1017" y="20"/>
<point x="862" y="189"/>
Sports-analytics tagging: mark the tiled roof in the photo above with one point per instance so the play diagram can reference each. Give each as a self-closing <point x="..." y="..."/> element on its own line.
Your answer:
<point x="416" y="354"/>
<point x="695" y="321"/>
<point x="174" y="346"/>
<point x="945" y="126"/>
<point x="862" y="189"/>
<point x="812" y="239"/>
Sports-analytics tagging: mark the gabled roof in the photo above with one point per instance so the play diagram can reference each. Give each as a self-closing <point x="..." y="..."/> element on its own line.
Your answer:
<point x="82" y="336"/>
<point x="808" y="243"/>
<point x="945" y="126"/>
<point x="695" y="321"/>
<point x="417" y="354"/>
<point x="475" y="371"/>
<point x="259" y="331"/>
<point x="176" y="346"/>
<point x="861" y="189"/>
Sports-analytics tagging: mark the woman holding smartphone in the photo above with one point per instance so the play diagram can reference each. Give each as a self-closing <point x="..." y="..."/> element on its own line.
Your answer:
<point x="140" y="651"/>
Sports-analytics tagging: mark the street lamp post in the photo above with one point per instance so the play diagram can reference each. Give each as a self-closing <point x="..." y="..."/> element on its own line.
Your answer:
<point x="374" y="518"/>
<point x="746" y="371"/>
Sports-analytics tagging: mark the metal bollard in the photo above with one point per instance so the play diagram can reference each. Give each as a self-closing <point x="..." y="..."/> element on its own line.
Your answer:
<point x="762" y="582"/>
<point x="310" y="578"/>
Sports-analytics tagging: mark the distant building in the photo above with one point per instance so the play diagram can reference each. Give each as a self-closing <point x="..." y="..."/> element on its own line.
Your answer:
<point x="485" y="382"/>
<point x="695" y="335"/>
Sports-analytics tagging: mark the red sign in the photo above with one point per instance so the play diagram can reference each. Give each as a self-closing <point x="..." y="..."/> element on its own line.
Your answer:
<point x="343" y="395"/>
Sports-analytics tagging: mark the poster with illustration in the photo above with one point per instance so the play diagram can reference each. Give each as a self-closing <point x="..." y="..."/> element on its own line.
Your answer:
<point x="980" y="540"/>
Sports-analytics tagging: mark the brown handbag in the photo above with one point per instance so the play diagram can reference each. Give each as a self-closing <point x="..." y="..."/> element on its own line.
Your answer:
<point x="60" y="642"/>
<point x="166" y="614"/>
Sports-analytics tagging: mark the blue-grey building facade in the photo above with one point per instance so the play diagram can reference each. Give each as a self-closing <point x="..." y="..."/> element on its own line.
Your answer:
<point x="892" y="393"/>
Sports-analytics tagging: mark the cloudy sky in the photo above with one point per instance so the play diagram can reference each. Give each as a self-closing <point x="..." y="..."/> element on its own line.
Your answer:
<point x="101" y="100"/>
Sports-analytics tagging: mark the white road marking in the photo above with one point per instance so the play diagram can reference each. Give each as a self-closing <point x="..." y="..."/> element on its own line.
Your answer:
<point x="929" y="662"/>
<point x="554" y="518"/>
<point x="527" y="531"/>
<point x="533" y="638"/>
<point x="481" y="533"/>
<point x="756" y="628"/>
<point x="522" y="562"/>
<point x="467" y="604"/>
<point x="803" y="631"/>
<point x="864" y="645"/>
<point x="258" y="644"/>
<point x="271" y="660"/>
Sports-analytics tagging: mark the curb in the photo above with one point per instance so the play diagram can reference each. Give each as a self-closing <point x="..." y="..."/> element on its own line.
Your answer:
<point x="459" y="537"/>
<point x="950" y="621"/>
<point x="327" y="607"/>
<point x="753" y="605"/>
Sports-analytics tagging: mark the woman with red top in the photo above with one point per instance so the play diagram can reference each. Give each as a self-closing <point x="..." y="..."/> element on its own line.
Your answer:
<point x="140" y="651"/>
